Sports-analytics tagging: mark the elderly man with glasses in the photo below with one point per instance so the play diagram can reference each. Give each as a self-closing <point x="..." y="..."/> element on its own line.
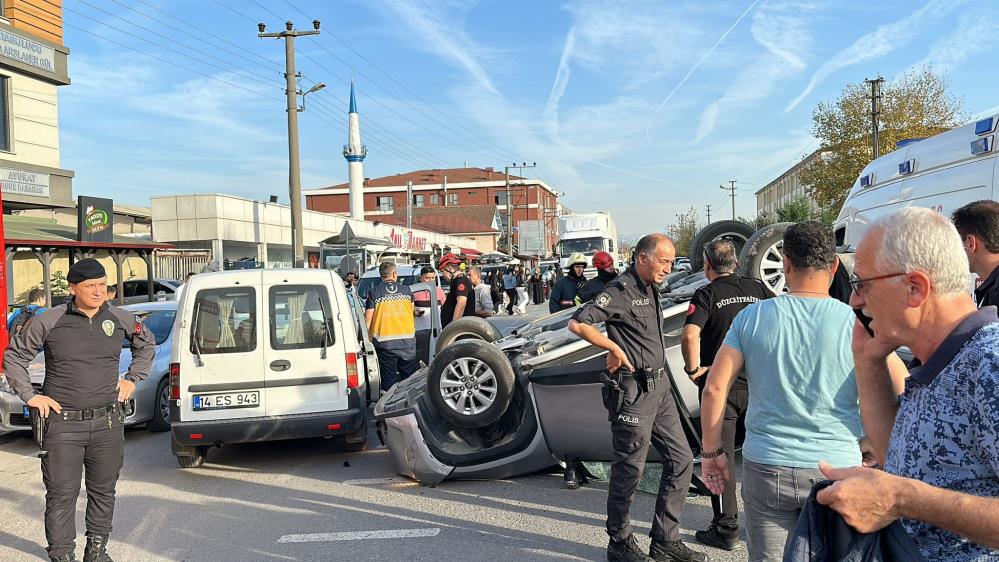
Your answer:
<point x="938" y="429"/>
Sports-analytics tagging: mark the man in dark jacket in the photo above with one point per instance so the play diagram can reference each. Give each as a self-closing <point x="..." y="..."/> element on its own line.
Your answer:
<point x="978" y="225"/>
<point x="606" y="272"/>
<point x="566" y="288"/>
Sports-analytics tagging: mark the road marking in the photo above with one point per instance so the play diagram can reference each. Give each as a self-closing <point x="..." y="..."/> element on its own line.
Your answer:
<point x="374" y="481"/>
<point x="361" y="535"/>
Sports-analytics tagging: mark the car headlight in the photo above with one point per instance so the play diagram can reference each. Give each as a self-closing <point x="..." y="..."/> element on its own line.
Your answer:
<point x="5" y="386"/>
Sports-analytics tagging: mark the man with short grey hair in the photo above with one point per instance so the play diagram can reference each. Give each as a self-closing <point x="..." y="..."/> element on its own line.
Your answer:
<point x="483" y="300"/>
<point x="940" y="435"/>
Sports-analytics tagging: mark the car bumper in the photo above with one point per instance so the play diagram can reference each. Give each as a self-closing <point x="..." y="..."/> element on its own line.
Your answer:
<point x="12" y="414"/>
<point x="268" y="428"/>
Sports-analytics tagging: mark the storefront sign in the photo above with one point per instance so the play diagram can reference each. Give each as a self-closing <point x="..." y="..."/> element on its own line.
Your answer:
<point x="404" y="239"/>
<point x="95" y="219"/>
<point x="26" y="51"/>
<point x="22" y="182"/>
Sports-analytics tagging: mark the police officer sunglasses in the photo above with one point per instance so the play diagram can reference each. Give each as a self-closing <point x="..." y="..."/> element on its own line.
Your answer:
<point x="861" y="286"/>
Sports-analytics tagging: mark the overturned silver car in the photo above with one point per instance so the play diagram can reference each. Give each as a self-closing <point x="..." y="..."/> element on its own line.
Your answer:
<point x="494" y="409"/>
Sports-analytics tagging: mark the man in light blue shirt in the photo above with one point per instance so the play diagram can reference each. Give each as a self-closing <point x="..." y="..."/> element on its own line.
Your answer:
<point x="803" y="408"/>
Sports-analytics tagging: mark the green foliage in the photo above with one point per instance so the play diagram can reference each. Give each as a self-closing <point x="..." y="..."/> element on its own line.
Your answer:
<point x="917" y="104"/>
<point x="758" y="222"/>
<point x="796" y="210"/>
<point x="683" y="231"/>
<point x="58" y="284"/>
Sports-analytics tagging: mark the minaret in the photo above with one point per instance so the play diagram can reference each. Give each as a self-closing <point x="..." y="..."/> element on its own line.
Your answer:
<point x="355" y="152"/>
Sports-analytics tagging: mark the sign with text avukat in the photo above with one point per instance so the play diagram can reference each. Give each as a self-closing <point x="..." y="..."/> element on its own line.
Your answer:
<point x="23" y="182"/>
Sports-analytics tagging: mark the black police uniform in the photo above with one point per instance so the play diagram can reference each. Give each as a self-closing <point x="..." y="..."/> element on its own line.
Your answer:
<point x="713" y="308"/>
<point x="563" y="294"/>
<point x="648" y="413"/>
<point x="987" y="294"/>
<point x="81" y="374"/>
<point x="461" y="286"/>
<point x="595" y="286"/>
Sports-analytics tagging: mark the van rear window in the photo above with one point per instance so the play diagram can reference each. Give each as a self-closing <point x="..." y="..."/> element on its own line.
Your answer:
<point x="224" y="321"/>
<point x="298" y="317"/>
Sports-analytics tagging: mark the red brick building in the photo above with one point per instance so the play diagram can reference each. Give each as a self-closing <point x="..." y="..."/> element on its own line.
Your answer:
<point x="532" y="199"/>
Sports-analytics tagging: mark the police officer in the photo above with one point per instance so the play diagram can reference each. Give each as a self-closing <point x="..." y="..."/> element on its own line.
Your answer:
<point x="640" y="405"/>
<point x="566" y="288"/>
<point x="712" y="310"/>
<point x="81" y="401"/>
<point x="460" y="301"/>
<point x="606" y="272"/>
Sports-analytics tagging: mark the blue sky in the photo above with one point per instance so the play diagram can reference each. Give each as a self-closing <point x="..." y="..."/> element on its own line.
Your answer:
<point x="639" y="108"/>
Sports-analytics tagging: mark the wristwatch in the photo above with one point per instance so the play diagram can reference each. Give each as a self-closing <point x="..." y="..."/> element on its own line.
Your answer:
<point x="712" y="454"/>
<point x="689" y="373"/>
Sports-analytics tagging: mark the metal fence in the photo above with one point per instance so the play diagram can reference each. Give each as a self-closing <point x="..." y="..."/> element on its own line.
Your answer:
<point x="176" y="264"/>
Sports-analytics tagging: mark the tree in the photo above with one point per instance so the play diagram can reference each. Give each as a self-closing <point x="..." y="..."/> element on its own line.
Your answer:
<point x="683" y="231"/>
<point x="759" y="221"/>
<point x="917" y="104"/>
<point x="796" y="210"/>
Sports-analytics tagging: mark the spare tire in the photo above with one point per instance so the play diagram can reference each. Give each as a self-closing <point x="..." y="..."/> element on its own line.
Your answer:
<point x="763" y="257"/>
<point x="467" y="328"/>
<point x="470" y="384"/>
<point x="736" y="232"/>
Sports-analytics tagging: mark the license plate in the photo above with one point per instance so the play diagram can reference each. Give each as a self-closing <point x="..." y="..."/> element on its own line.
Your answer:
<point x="227" y="401"/>
<point x="27" y="412"/>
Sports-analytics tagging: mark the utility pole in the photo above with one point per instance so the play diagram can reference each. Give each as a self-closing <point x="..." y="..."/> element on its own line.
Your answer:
<point x="294" y="173"/>
<point x="509" y="201"/>
<point x="875" y="113"/>
<point x="732" y="189"/>
<point x="709" y="214"/>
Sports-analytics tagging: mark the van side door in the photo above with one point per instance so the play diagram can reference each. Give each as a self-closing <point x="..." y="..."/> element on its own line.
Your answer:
<point x="305" y="366"/>
<point x="366" y="350"/>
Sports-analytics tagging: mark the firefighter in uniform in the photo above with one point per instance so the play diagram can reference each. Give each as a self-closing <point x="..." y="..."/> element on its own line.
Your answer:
<point x="81" y="404"/>
<point x="640" y="405"/>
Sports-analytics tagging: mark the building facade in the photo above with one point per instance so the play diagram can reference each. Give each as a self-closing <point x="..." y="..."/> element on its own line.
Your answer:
<point x="530" y="199"/>
<point x="786" y="188"/>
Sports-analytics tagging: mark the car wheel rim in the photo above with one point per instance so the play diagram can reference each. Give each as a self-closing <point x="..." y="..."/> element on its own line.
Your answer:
<point x="165" y="404"/>
<point x="738" y="240"/>
<point x="468" y="386"/>
<point x="771" y="268"/>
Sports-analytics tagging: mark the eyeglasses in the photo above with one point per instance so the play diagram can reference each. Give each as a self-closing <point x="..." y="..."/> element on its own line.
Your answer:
<point x="861" y="286"/>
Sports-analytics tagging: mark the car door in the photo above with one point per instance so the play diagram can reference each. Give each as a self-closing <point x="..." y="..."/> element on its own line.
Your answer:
<point x="221" y="371"/>
<point x="305" y="364"/>
<point x="366" y="350"/>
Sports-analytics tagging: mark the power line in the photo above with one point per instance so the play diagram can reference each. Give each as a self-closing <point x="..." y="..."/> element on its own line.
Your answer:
<point x="171" y="63"/>
<point x="503" y="154"/>
<point x="238" y="13"/>
<point x="266" y="9"/>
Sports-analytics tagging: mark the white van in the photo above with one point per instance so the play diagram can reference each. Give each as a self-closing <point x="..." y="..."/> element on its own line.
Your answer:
<point x="264" y="355"/>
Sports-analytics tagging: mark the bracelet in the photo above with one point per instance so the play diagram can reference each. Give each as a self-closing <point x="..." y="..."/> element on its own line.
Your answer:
<point x="697" y="368"/>
<point x="712" y="454"/>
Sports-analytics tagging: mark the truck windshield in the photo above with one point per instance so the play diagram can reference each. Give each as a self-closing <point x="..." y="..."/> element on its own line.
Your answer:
<point x="583" y="245"/>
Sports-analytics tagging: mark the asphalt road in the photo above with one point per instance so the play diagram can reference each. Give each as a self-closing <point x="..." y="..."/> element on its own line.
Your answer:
<point x="308" y="500"/>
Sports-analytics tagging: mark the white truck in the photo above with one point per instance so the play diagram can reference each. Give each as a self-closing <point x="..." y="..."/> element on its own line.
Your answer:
<point x="942" y="172"/>
<point x="586" y="233"/>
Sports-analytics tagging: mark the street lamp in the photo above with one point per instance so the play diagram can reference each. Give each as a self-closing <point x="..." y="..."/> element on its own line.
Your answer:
<point x="315" y="88"/>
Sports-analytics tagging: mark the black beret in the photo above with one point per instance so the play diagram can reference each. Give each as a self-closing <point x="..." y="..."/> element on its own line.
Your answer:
<point x="87" y="268"/>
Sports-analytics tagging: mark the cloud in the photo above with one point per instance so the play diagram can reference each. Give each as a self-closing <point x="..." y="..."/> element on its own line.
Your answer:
<point x="973" y="36"/>
<point x="880" y="42"/>
<point x="782" y="30"/>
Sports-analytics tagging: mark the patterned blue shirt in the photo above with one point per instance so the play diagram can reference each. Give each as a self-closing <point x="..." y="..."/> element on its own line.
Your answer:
<point x="946" y="432"/>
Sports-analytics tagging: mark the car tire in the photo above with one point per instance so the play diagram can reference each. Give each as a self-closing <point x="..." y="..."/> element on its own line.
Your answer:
<point x="763" y="257"/>
<point x="196" y="459"/>
<point x="736" y="232"/>
<point x="160" y="421"/>
<point x="467" y="328"/>
<point x="470" y="384"/>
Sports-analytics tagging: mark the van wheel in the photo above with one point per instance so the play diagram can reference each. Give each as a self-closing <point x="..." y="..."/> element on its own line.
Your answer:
<point x="470" y="383"/>
<point x="195" y="459"/>
<point x="736" y="232"/>
<point x="467" y="328"/>
<point x="161" y="409"/>
<point x="763" y="257"/>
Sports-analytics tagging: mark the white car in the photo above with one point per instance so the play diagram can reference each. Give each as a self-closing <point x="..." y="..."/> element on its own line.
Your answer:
<point x="265" y="355"/>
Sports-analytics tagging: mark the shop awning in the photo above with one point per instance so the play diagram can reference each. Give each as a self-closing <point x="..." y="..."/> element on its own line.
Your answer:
<point x="470" y="252"/>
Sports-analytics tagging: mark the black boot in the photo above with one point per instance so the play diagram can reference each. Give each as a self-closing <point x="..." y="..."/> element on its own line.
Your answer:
<point x="675" y="551"/>
<point x="713" y="536"/>
<point x="96" y="550"/>
<point x="625" y="551"/>
<point x="64" y="558"/>
<point x="575" y="474"/>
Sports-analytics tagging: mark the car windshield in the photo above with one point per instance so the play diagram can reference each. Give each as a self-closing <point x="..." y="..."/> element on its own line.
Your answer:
<point x="582" y="245"/>
<point x="365" y="285"/>
<point x="159" y="322"/>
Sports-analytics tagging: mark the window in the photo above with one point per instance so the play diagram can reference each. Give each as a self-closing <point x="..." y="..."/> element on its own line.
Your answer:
<point x="385" y="203"/>
<point x="435" y="199"/>
<point x="299" y="316"/>
<point x="5" y="113"/>
<point x="452" y="199"/>
<point x="159" y="322"/>
<point x="472" y="194"/>
<point x="418" y="200"/>
<point x="501" y="198"/>
<point x="224" y="321"/>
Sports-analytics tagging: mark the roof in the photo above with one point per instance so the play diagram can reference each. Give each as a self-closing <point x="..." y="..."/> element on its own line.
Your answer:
<point x="470" y="219"/>
<point x="32" y="231"/>
<point x="433" y="177"/>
